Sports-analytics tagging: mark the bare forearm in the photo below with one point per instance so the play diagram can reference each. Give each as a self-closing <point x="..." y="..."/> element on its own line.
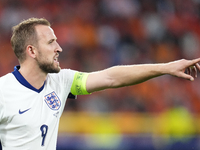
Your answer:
<point x="120" y="76"/>
<point x="133" y="74"/>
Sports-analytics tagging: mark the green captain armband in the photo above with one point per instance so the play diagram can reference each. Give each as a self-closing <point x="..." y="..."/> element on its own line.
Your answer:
<point x="79" y="84"/>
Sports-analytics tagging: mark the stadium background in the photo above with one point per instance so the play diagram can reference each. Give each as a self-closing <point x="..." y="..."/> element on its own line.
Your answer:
<point x="161" y="113"/>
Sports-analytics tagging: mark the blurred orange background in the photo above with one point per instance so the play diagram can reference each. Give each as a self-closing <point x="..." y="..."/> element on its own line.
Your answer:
<point x="96" y="34"/>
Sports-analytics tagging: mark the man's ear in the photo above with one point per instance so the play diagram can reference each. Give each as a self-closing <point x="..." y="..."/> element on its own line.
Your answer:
<point x="31" y="51"/>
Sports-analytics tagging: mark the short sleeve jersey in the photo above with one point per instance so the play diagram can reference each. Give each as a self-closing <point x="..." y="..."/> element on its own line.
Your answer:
<point x="29" y="117"/>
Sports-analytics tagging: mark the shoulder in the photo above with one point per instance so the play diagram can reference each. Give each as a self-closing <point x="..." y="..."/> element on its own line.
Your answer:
<point x="4" y="82"/>
<point x="64" y="77"/>
<point x="6" y="79"/>
<point x="64" y="73"/>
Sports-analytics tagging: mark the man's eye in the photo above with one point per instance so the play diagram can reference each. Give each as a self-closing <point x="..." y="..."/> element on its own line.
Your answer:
<point x="51" y="41"/>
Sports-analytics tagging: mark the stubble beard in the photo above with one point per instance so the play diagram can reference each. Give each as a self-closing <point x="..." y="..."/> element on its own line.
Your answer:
<point x="48" y="67"/>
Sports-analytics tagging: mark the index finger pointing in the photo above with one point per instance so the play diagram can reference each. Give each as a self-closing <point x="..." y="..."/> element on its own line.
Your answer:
<point x="194" y="61"/>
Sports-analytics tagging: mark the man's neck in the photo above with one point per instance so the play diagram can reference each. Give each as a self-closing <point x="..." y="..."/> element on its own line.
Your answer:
<point x="33" y="75"/>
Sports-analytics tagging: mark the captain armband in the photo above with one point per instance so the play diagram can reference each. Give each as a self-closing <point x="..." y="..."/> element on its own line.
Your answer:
<point x="79" y="84"/>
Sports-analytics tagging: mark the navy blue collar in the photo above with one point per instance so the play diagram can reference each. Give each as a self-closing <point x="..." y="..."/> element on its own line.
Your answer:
<point x="23" y="81"/>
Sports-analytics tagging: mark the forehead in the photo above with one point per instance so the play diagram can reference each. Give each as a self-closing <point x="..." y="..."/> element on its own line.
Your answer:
<point x="44" y="32"/>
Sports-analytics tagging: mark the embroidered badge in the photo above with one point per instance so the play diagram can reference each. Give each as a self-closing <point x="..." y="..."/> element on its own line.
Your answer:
<point x="53" y="101"/>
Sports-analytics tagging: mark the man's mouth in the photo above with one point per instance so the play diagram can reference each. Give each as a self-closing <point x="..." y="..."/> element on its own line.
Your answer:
<point x="56" y="59"/>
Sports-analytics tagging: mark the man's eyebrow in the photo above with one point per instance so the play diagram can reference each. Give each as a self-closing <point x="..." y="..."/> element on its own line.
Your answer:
<point x="50" y="41"/>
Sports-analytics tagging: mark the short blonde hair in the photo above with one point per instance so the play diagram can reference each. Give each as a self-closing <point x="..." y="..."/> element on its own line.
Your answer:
<point x="24" y="34"/>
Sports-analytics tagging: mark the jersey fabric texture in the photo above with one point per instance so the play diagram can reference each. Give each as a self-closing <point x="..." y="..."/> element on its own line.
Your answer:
<point x="29" y="117"/>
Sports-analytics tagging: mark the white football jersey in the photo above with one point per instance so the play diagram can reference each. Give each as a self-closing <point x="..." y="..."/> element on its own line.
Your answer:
<point x="29" y="117"/>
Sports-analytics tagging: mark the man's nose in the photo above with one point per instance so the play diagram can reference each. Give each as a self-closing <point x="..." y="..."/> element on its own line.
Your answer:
<point x="58" y="49"/>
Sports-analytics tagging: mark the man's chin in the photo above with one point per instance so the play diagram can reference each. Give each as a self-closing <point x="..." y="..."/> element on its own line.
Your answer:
<point x="51" y="70"/>
<point x="56" y="70"/>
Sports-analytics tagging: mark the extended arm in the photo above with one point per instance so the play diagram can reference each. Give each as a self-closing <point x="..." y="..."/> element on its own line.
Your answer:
<point x="120" y="76"/>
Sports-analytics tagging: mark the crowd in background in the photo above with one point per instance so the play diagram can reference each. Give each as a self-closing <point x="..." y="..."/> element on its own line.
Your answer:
<point x="97" y="34"/>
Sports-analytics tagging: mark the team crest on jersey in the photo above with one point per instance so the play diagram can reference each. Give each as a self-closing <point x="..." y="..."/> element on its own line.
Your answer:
<point x="53" y="101"/>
